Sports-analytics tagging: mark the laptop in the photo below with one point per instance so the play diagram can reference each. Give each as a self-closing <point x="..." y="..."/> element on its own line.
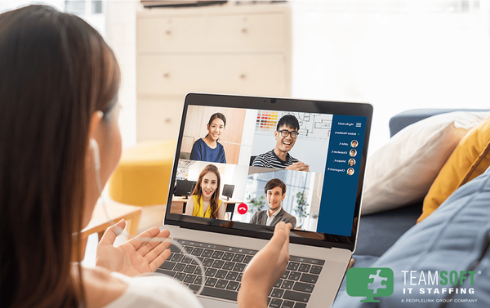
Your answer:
<point x="317" y="149"/>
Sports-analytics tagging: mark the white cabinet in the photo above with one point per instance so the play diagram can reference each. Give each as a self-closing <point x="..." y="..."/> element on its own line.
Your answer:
<point x="221" y="49"/>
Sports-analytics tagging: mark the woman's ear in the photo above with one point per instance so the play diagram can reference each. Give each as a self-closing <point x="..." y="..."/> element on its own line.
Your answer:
<point x="94" y="124"/>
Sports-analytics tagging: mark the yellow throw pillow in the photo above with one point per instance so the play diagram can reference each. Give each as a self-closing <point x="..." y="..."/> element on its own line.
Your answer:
<point x="470" y="159"/>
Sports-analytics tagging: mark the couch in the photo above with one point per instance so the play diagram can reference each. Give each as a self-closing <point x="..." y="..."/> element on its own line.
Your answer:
<point x="379" y="231"/>
<point x="456" y="236"/>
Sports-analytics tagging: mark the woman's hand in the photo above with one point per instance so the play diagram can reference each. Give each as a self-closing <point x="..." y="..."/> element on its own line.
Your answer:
<point x="265" y="269"/>
<point x="136" y="256"/>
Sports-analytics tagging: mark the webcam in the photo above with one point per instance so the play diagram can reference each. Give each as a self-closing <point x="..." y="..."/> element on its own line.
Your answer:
<point x="273" y="100"/>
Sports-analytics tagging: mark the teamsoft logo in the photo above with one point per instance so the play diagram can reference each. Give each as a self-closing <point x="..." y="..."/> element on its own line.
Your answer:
<point x="370" y="283"/>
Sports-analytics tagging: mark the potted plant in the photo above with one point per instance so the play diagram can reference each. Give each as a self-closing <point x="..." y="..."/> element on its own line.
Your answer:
<point x="301" y="208"/>
<point x="255" y="204"/>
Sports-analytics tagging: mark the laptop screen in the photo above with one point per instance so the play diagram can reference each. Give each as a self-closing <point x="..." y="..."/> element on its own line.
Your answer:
<point x="245" y="168"/>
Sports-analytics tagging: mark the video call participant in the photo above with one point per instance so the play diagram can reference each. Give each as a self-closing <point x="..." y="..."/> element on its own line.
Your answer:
<point x="208" y="148"/>
<point x="205" y="201"/>
<point x="275" y="192"/>
<point x="285" y="134"/>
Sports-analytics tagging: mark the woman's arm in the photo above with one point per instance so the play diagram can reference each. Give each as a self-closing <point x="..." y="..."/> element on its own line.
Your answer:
<point x="222" y="210"/>
<point x="265" y="269"/>
<point x="196" y="151"/>
<point x="189" y="208"/>
<point x="222" y="158"/>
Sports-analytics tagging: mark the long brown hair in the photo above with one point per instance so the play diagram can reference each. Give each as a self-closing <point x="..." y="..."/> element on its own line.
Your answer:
<point x="56" y="71"/>
<point x="215" y="197"/>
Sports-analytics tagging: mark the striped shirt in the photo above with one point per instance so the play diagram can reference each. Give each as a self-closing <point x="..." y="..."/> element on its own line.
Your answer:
<point x="270" y="160"/>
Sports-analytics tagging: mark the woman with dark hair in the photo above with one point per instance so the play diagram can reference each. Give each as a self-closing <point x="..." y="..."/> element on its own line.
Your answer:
<point x="208" y="148"/>
<point x="205" y="201"/>
<point x="59" y="143"/>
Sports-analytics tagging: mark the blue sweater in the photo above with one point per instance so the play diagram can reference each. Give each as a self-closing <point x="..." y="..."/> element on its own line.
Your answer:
<point x="201" y="151"/>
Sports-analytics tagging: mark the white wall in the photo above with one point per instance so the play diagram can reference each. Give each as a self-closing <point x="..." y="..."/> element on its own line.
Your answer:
<point x="247" y="137"/>
<point x="7" y="5"/>
<point x="121" y="36"/>
<point x="396" y="55"/>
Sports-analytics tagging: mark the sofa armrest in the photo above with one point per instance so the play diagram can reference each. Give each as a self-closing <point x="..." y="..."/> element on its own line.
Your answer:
<point x="408" y="117"/>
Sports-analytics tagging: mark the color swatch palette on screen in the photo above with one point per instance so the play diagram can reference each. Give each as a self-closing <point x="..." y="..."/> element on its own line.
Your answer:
<point x="266" y="121"/>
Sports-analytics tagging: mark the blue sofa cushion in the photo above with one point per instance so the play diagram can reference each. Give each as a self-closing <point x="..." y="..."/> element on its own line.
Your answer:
<point x="455" y="237"/>
<point x="379" y="231"/>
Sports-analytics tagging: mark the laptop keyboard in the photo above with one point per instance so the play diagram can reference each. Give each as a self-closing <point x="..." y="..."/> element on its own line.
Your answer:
<point x="224" y="266"/>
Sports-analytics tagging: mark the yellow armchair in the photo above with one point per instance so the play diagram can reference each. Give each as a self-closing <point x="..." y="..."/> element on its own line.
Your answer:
<point x="143" y="174"/>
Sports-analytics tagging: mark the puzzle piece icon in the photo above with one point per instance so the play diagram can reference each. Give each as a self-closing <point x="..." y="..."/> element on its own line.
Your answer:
<point x="376" y="284"/>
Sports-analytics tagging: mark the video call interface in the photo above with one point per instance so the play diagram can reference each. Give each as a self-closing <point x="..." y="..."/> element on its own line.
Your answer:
<point x="260" y="167"/>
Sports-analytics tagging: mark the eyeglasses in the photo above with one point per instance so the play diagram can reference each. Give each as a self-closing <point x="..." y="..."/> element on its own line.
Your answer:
<point x="286" y="133"/>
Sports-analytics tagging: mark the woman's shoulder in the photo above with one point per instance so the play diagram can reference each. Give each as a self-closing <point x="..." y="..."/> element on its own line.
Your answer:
<point x="198" y="142"/>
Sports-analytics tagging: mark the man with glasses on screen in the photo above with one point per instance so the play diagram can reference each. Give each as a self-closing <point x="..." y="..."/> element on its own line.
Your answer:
<point x="285" y="134"/>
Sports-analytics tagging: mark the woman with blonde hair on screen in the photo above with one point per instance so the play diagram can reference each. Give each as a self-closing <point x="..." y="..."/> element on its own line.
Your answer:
<point x="59" y="144"/>
<point x="205" y="201"/>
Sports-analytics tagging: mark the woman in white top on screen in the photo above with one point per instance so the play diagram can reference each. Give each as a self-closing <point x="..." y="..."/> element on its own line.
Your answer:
<point x="58" y="118"/>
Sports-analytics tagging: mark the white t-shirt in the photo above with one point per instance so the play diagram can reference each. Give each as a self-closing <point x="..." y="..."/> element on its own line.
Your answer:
<point x="154" y="291"/>
<point x="271" y="218"/>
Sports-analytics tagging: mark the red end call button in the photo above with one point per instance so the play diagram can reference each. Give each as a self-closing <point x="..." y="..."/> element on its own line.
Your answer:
<point x="242" y="208"/>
